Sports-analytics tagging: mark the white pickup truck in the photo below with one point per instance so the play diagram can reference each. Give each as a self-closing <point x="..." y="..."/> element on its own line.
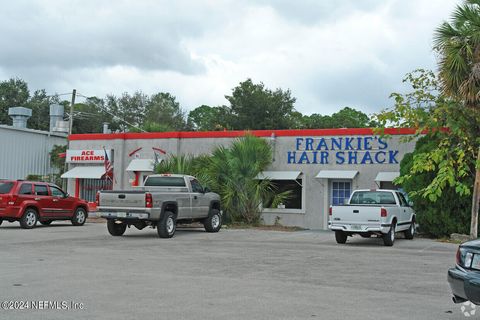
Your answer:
<point x="373" y="212"/>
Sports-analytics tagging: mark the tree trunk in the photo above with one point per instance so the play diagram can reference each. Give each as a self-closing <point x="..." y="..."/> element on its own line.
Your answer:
<point x="475" y="200"/>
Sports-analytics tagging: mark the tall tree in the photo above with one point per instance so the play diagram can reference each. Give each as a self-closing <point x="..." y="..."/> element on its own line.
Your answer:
<point x="164" y="113"/>
<point x="128" y="110"/>
<point x="13" y="93"/>
<point x="345" y="118"/>
<point x="458" y="45"/>
<point x="206" y="118"/>
<point x="256" y="107"/>
<point x="40" y="104"/>
<point x="90" y="115"/>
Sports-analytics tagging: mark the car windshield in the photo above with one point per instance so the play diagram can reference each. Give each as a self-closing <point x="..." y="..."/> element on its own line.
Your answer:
<point x="372" y="197"/>
<point x="5" y="186"/>
<point x="165" y="182"/>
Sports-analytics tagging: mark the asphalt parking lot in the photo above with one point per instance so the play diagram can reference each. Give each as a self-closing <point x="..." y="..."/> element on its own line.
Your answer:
<point x="234" y="274"/>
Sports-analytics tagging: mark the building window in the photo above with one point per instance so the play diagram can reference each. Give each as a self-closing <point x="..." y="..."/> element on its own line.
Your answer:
<point x="341" y="190"/>
<point x="388" y="185"/>
<point x="294" y="200"/>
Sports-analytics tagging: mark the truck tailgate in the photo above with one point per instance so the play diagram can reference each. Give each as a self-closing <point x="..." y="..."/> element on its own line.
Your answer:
<point x="122" y="199"/>
<point x="356" y="213"/>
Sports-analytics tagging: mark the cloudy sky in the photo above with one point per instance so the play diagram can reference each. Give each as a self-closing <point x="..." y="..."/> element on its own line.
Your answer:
<point x="329" y="53"/>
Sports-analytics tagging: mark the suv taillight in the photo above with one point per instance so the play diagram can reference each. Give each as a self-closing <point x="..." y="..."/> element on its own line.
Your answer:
<point x="330" y="211"/>
<point x="97" y="198"/>
<point x="383" y="213"/>
<point x="459" y="257"/>
<point x="148" y="200"/>
<point x="11" y="199"/>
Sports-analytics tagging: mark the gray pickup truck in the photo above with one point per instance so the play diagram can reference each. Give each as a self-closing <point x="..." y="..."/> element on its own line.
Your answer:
<point x="163" y="201"/>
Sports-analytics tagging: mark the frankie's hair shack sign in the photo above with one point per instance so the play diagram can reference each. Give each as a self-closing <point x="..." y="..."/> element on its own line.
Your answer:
<point x="342" y="150"/>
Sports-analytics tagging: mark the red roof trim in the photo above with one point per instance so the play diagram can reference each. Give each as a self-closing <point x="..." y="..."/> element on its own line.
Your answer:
<point x="234" y="134"/>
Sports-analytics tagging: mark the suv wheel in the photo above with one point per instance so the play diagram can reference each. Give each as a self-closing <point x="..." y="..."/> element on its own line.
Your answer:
<point x="341" y="237"/>
<point x="214" y="221"/>
<point x="167" y="225"/>
<point x="46" y="222"/>
<point x="116" y="229"/>
<point x="29" y="219"/>
<point x="389" y="238"/>
<point x="410" y="232"/>
<point x="79" y="217"/>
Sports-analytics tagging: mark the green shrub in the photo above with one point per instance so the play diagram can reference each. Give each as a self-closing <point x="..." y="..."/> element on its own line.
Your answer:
<point x="450" y="213"/>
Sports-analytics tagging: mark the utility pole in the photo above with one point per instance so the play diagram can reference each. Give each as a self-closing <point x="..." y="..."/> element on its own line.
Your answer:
<point x="70" y="129"/>
<point x="74" y="93"/>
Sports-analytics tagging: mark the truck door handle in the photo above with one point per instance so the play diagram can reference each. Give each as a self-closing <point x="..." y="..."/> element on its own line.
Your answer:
<point x="355" y="211"/>
<point x="55" y="200"/>
<point x="195" y="197"/>
<point x="38" y="199"/>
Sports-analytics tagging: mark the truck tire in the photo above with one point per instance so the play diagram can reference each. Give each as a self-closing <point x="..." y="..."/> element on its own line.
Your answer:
<point x="1" y="220"/>
<point x="410" y="232"/>
<point x="214" y="221"/>
<point x="389" y="238"/>
<point x="116" y="229"/>
<point x="167" y="225"/>
<point x="46" y="222"/>
<point x="29" y="219"/>
<point x="79" y="217"/>
<point x="341" y="237"/>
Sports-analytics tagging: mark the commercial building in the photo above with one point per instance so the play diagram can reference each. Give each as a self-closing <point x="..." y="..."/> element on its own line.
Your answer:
<point x="320" y="167"/>
<point x="25" y="151"/>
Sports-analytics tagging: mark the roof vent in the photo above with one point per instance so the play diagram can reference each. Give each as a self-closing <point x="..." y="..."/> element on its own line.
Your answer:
<point x="56" y="119"/>
<point x="19" y="115"/>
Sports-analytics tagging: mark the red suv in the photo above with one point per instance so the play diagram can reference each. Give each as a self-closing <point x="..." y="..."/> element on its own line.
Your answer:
<point x="29" y="202"/>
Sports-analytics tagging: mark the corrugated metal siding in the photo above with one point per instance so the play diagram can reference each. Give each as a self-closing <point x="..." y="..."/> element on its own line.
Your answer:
<point x="25" y="152"/>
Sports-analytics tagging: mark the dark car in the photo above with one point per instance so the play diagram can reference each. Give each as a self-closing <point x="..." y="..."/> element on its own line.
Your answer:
<point x="29" y="202"/>
<point x="464" y="279"/>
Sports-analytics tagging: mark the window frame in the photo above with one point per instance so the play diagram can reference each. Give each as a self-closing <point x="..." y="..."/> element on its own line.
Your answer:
<point x="32" y="190"/>
<point x="331" y="196"/>
<point x="57" y="188"/>
<point x="293" y="211"/>
<point x="43" y="186"/>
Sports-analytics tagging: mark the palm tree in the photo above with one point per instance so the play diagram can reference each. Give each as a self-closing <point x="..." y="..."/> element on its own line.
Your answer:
<point x="232" y="173"/>
<point x="458" y="45"/>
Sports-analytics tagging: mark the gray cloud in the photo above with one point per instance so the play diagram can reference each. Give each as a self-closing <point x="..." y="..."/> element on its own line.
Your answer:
<point x="89" y="34"/>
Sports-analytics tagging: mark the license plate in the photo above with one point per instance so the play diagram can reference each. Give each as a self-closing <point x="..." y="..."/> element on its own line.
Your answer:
<point x="356" y="227"/>
<point x="121" y="214"/>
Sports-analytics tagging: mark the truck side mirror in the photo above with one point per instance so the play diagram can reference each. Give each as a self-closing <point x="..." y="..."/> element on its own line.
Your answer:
<point x="410" y="203"/>
<point x="206" y="190"/>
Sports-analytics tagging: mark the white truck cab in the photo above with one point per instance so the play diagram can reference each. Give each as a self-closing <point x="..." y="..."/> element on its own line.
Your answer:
<point x="373" y="212"/>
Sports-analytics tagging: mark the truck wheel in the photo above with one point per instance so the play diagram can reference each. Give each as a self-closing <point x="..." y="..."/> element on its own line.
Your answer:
<point x="116" y="229"/>
<point x="340" y="236"/>
<point x="46" y="222"/>
<point x="29" y="219"/>
<point x="80" y="217"/>
<point x="410" y="232"/>
<point x="214" y="221"/>
<point x="389" y="238"/>
<point x="1" y="220"/>
<point x="167" y="225"/>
